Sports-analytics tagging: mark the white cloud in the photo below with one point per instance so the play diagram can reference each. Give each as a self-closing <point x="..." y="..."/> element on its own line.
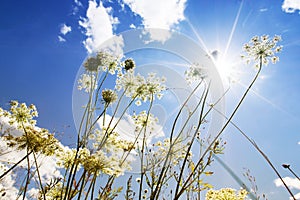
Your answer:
<point x="65" y="29"/>
<point x="291" y="183"/>
<point x="299" y="142"/>
<point x="61" y="39"/>
<point x="9" y="155"/>
<point x="290" y="6"/>
<point x="162" y="14"/>
<point x="99" y="25"/>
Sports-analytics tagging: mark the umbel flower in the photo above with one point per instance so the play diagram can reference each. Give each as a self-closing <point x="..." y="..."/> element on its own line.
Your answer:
<point x="109" y="96"/>
<point x="129" y="64"/>
<point x="104" y="60"/>
<point x="226" y="193"/>
<point x="262" y="49"/>
<point x="21" y="114"/>
<point x="87" y="82"/>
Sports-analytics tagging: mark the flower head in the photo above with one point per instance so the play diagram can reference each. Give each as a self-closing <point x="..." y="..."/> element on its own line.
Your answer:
<point x="129" y="64"/>
<point x="21" y="114"/>
<point x="194" y="73"/>
<point x="262" y="49"/>
<point x="103" y="59"/>
<point x="92" y="64"/>
<point x="109" y="96"/>
<point x="87" y="82"/>
<point x="226" y="193"/>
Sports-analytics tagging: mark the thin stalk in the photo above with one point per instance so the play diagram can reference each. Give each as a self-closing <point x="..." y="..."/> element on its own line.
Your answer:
<point x="82" y="183"/>
<point x="261" y="153"/>
<point x="192" y="141"/>
<point x="39" y="176"/>
<point x="15" y="165"/>
<point x="143" y="148"/>
<point x="221" y="131"/>
<point x="90" y="187"/>
<point x="153" y="195"/>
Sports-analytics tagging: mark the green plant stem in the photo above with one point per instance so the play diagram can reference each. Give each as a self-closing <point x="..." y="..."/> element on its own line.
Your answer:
<point x="15" y="165"/>
<point x="261" y="153"/>
<point x="192" y="141"/>
<point x="165" y="166"/>
<point x="177" y="195"/>
<point x="39" y="176"/>
<point x="143" y="148"/>
<point x="90" y="187"/>
<point x="82" y="184"/>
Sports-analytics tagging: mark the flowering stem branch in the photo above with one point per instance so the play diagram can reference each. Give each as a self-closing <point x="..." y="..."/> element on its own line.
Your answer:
<point x="177" y="195"/>
<point x="15" y="165"/>
<point x="165" y="166"/>
<point x="143" y="148"/>
<point x="263" y="155"/>
<point x="39" y="176"/>
<point x="192" y="141"/>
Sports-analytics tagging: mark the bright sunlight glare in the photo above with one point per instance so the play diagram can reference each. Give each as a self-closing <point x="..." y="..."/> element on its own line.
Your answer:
<point x="225" y="66"/>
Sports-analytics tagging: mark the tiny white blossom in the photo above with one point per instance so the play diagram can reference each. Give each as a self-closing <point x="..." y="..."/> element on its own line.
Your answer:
<point x="87" y="82"/>
<point x="262" y="49"/>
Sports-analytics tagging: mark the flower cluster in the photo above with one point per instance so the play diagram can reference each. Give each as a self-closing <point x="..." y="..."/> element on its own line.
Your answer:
<point x="66" y="157"/>
<point x="177" y="150"/>
<point x="109" y="96"/>
<point x="34" y="139"/>
<point x="111" y="139"/>
<point x="226" y="193"/>
<point x="262" y="49"/>
<point x="195" y="73"/>
<point x="108" y="158"/>
<point x="139" y="87"/>
<point x="143" y="120"/>
<point x="87" y="82"/>
<point x="103" y="60"/>
<point x="21" y="114"/>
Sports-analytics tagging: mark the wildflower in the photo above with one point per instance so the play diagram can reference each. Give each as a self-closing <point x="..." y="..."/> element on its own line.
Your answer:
<point x="262" y="49"/>
<point x="66" y="157"/>
<point x="129" y="64"/>
<point x="35" y="139"/>
<point x="102" y="59"/>
<point x="136" y="86"/>
<point x="109" y="96"/>
<point x="143" y="120"/>
<point x="21" y="114"/>
<point x="194" y="73"/>
<point x="92" y="64"/>
<point x="87" y="82"/>
<point x="226" y="193"/>
<point x="108" y="62"/>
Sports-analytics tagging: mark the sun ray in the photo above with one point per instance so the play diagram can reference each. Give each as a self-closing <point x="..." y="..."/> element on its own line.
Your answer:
<point x="269" y="102"/>
<point x="197" y="35"/>
<point x="233" y="28"/>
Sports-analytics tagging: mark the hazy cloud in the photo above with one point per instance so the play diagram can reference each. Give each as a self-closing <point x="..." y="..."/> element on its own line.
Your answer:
<point x="158" y="14"/>
<point x="290" y="6"/>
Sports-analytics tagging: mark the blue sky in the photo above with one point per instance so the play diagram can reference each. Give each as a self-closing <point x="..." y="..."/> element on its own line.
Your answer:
<point x="43" y="44"/>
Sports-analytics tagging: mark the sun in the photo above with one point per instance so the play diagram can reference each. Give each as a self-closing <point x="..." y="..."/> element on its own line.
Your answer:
<point x="226" y="66"/>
